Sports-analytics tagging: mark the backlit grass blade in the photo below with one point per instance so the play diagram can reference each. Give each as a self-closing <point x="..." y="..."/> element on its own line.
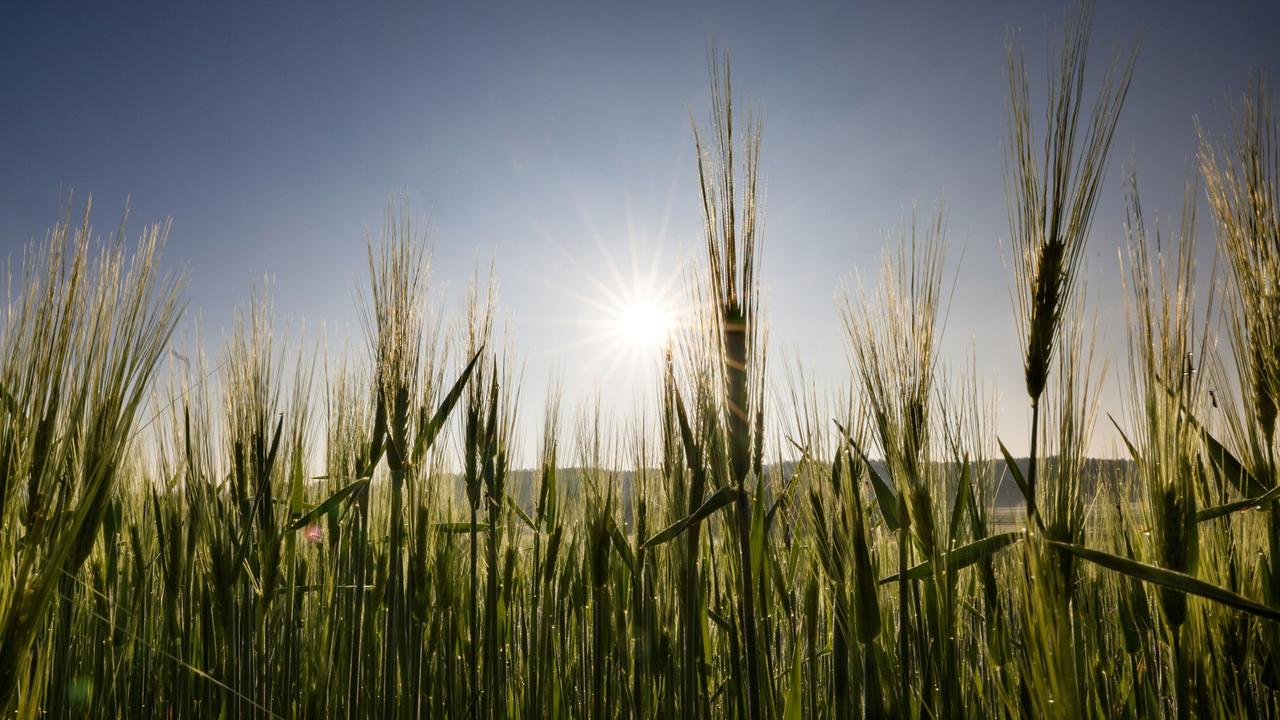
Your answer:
<point x="1230" y="468"/>
<point x="718" y="500"/>
<point x="1133" y="451"/>
<point x="793" y="704"/>
<point x="520" y="513"/>
<point x="1014" y="471"/>
<point x="328" y="505"/>
<point x="1218" y="511"/>
<point x="1170" y="579"/>
<point x="1019" y="479"/>
<point x="621" y="545"/>
<point x="886" y="498"/>
<point x="961" y="557"/>
<point x="961" y="501"/>
<point x="428" y="434"/>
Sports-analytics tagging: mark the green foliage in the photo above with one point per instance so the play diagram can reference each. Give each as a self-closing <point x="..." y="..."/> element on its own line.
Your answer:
<point x="277" y="540"/>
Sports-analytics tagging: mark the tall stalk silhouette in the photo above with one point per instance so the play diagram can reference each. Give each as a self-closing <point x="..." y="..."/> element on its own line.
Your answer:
<point x="1052" y="194"/>
<point x="893" y="335"/>
<point x="730" y="228"/>
<point x="401" y="364"/>
<point x="1242" y="181"/>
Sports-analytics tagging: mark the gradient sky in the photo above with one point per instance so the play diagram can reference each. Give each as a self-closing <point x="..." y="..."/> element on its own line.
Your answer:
<point x="554" y="141"/>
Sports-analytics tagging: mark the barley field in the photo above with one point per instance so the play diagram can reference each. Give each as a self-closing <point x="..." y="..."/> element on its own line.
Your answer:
<point x="264" y="531"/>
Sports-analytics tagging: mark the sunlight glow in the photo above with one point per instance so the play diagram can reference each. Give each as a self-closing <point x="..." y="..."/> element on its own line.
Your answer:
<point x="627" y="314"/>
<point x="644" y="323"/>
<point x="626" y="303"/>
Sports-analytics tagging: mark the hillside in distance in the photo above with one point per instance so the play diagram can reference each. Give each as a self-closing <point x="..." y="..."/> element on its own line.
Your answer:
<point x="523" y="484"/>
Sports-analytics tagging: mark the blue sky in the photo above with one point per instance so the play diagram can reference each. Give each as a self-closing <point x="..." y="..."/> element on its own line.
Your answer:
<point x="554" y="141"/>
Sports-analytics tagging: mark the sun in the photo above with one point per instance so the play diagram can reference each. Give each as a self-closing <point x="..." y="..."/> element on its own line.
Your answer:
<point x="624" y="308"/>
<point x="627" y="318"/>
<point x="644" y="323"/>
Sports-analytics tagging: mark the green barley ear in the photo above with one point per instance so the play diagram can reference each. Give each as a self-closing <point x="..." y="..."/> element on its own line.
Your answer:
<point x="1165" y="384"/>
<point x="1071" y="409"/>
<point x="545" y="512"/>
<point x="599" y="524"/>
<point x="865" y="596"/>
<point x="730" y="207"/>
<point x="476" y="334"/>
<point x="731" y="226"/>
<point x="553" y="553"/>
<point x="1243" y="185"/>
<point x="81" y="345"/>
<point x="1052" y="194"/>
<point x="1167" y="393"/>
<point x="893" y="338"/>
<point x="403" y="357"/>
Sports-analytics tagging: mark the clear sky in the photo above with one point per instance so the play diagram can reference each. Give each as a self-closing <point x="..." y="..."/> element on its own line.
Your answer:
<point x="554" y="141"/>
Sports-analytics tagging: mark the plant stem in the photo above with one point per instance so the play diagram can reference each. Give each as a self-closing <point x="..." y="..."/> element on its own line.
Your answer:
<point x="748" y="605"/>
<point x="1032" y="510"/>
<point x="904" y="652"/>
<point x="1182" y="688"/>
<point x="475" y="618"/>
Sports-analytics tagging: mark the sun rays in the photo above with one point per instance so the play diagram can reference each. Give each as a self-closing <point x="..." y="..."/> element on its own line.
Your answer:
<point x="624" y="316"/>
